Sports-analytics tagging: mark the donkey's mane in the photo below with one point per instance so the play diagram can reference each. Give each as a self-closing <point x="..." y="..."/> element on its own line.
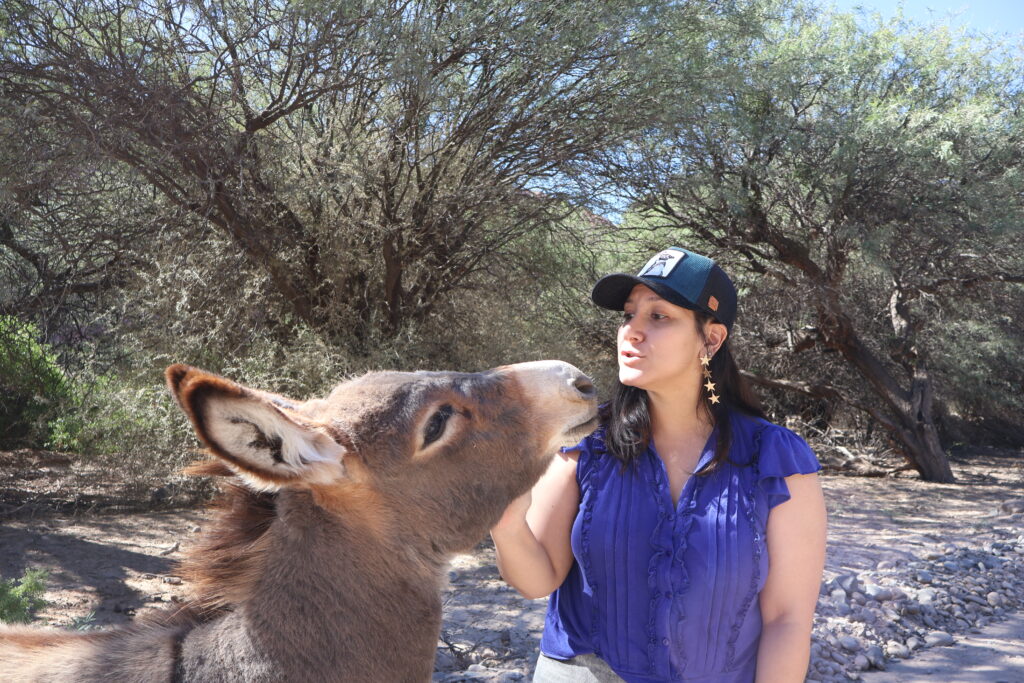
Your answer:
<point x="225" y="562"/>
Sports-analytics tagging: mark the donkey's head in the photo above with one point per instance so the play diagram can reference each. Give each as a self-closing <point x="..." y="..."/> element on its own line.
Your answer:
<point x="436" y="454"/>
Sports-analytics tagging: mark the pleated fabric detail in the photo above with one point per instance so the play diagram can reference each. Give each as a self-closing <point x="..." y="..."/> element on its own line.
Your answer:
<point x="669" y="593"/>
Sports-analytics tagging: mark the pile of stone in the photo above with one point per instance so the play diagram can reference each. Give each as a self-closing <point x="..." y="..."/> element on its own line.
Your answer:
<point x="864" y="619"/>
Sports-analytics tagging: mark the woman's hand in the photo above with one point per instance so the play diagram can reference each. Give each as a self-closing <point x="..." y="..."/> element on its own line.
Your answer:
<point x="515" y="514"/>
<point x="532" y="538"/>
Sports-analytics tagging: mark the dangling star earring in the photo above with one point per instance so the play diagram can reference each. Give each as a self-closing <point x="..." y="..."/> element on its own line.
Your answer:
<point x="705" y="362"/>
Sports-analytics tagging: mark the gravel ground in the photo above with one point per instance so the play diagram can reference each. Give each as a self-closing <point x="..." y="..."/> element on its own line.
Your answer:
<point x="911" y="567"/>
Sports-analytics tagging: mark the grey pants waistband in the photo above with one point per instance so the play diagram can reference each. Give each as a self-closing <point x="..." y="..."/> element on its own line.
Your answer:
<point x="579" y="669"/>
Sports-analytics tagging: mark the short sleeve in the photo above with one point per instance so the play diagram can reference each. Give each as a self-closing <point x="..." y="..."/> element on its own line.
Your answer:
<point x="591" y="444"/>
<point x="782" y="454"/>
<point x="582" y="446"/>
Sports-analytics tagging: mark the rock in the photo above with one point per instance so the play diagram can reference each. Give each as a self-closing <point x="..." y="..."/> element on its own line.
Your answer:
<point x="168" y="551"/>
<point x="849" y="643"/>
<point x="924" y="576"/>
<point x="445" y="661"/>
<point x="876" y="592"/>
<point x="173" y="580"/>
<point x="938" y="639"/>
<point x="861" y="663"/>
<point x="1009" y="507"/>
<point x="994" y="599"/>
<point x="894" y="648"/>
<point x="875" y="656"/>
<point x="914" y="643"/>
<point x="848" y="582"/>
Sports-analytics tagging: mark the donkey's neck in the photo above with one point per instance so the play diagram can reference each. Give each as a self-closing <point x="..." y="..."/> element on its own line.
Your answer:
<point x="333" y="595"/>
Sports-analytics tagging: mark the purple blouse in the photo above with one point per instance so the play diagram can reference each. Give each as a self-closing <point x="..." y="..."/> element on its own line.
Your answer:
<point x="667" y="593"/>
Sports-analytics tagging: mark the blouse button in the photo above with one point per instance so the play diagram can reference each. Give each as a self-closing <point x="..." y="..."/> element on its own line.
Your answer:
<point x="664" y="641"/>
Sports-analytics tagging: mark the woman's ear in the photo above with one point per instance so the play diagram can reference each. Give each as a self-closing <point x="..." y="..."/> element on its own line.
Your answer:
<point x="715" y="333"/>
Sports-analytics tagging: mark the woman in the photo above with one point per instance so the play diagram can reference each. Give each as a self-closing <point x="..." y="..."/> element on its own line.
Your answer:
<point x="683" y="540"/>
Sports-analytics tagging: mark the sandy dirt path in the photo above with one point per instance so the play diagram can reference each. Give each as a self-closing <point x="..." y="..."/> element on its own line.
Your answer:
<point x="996" y="655"/>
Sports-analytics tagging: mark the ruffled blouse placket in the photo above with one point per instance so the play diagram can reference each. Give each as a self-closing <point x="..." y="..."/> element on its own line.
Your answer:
<point x="667" y="576"/>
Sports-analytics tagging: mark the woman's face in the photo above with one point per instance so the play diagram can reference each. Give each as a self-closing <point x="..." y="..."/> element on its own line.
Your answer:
<point x="658" y="342"/>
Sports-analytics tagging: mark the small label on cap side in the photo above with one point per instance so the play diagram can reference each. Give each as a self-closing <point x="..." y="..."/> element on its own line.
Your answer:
<point x="662" y="263"/>
<point x="712" y="303"/>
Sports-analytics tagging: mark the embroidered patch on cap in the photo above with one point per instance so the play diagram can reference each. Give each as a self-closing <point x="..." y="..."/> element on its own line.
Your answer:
<point x="712" y="303"/>
<point x="661" y="264"/>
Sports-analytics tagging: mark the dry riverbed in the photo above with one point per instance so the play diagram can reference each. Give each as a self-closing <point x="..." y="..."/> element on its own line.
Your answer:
<point x="911" y="566"/>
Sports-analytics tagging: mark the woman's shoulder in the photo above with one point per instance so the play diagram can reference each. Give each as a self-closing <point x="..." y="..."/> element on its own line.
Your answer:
<point x="776" y="452"/>
<point x="779" y="451"/>
<point x="592" y="455"/>
<point x="761" y="429"/>
<point x="594" y="441"/>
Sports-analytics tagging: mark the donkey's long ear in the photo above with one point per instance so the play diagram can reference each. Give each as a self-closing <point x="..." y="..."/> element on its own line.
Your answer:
<point x="257" y="434"/>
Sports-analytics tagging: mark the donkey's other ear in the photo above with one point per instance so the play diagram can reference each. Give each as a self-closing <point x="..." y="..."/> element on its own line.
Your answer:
<point x="256" y="433"/>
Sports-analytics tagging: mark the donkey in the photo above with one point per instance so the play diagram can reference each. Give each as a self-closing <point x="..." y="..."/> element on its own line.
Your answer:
<point x="324" y="559"/>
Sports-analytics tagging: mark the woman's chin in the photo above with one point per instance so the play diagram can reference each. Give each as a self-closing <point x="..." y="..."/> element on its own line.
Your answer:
<point x="631" y="378"/>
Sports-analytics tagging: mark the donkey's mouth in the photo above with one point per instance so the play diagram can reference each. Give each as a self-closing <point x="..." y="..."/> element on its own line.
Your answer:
<point x="573" y="435"/>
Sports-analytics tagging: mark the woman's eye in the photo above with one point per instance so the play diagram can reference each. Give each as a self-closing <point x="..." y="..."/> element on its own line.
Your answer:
<point x="436" y="424"/>
<point x="626" y="317"/>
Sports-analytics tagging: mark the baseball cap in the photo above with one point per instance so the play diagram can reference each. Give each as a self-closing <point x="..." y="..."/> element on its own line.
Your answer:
<point x="679" y="276"/>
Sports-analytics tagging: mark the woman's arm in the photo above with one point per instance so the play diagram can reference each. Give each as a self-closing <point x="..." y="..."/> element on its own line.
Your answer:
<point x="796" y="558"/>
<point x="531" y="539"/>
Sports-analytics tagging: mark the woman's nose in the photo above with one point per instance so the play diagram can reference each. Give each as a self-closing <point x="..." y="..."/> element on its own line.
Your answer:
<point x="631" y="331"/>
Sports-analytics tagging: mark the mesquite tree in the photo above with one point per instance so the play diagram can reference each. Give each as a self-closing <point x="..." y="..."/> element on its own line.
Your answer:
<point x="369" y="157"/>
<point x="868" y="172"/>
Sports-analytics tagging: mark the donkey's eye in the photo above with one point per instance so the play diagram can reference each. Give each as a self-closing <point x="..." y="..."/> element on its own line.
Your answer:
<point x="436" y="424"/>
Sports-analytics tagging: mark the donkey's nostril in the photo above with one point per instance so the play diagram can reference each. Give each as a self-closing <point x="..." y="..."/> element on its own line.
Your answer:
<point x="585" y="387"/>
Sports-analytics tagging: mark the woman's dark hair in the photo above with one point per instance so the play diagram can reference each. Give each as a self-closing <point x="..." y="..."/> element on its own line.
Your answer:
<point x="627" y="419"/>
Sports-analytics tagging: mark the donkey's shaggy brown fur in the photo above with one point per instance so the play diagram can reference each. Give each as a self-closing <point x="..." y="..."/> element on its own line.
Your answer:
<point x="323" y="558"/>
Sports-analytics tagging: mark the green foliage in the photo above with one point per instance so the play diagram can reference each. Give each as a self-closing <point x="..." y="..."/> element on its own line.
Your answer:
<point x="127" y="420"/>
<point x="32" y="385"/>
<point x="861" y="179"/>
<point x="84" y="623"/>
<point x="20" y="598"/>
<point x="409" y="196"/>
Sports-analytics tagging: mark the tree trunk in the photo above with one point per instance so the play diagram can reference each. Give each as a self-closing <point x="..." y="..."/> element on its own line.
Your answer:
<point x="920" y="435"/>
<point x="907" y="415"/>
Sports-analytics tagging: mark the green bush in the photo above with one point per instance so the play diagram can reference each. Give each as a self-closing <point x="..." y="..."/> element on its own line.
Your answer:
<point x="128" y="421"/>
<point x="33" y="388"/>
<point x="20" y="598"/>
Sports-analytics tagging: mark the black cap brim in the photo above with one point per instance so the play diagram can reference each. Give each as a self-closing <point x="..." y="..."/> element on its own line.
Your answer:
<point x="611" y="291"/>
